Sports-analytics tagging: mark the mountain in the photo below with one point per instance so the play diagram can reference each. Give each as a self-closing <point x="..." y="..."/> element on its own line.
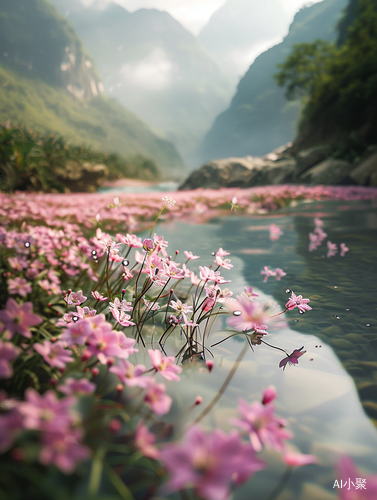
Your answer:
<point x="239" y="29"/>
<point x="155" y="67"/>
<point x="260" y="118"/>
<point x="49" y="81"/>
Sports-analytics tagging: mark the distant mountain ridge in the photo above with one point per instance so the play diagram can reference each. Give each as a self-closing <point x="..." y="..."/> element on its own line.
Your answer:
<point x="155" y="67"/>
<point x="260" y="118"/>
<point x="49" y="81"/>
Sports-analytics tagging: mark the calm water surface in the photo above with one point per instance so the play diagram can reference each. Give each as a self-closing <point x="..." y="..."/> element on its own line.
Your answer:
<point x="330" y="398"/>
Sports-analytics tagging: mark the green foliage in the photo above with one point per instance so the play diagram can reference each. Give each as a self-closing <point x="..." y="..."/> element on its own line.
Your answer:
<point x="30" y="160"/>
<point x="342" y="97"/>
<point x="304" y="67"/>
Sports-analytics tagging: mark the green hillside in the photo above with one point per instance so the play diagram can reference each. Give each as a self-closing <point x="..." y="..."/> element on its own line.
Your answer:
<point x="260" y="118"/>
<point x="48" y="82"/>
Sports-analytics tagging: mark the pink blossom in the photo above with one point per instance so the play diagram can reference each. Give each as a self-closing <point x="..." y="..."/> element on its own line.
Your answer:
<point x="263" y="427"/>
<point x="144" y="441"/>
<point x="54" y="353"/>
<point x="247" y="314"/>
<point x="249" y="292"/>
<point x="46" y="413"/>
<point x="131" y="240"/>
<point x="299" y="302"/>
<point x="164" y="365"/>
<point x="77" y="386"/>
<point x="292" y="359"/>
<point x="318" y="222"/>
<point x="19" y="286"/>
<point x="159" y="241"/>
<point x="74" y="298"/>
<point x="279" y="273"/>
<point x="180" y="306"/>
<point x="8" y="352"/>
<point x="209" y="463"/>
<point x="269" y="395"/>
<point x="10" y="426"/>
<point x="156" y="398"/>
<point x="77" y="332"/>
<point x="130" y="374"/>
<point x="343" y="249"/>
<point x="298" y="459"/>
<point x="99" y="296"/>
<point x="121" y="317"/>
<point x="125" y="343"/>
<point x="105" y="344"/>
<point x="275" y="232"/>
<point x="225" y="263"/>
<point x="267" y="272"/>
<point x="63" y="450"/>
<point x="332" y="249"/>
<point x="19" y="319"/>
<point x="190" y="256"/>
<point x="221" y="253"/>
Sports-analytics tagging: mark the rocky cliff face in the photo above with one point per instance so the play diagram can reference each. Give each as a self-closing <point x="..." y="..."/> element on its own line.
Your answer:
<point x="36" y="40"/>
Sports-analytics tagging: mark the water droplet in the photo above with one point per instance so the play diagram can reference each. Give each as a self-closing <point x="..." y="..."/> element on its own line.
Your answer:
<point x="221" y="308"/>
<point x="296" y="320"/>
<point x="288" y="290"/>
<point x="27" y="244"/>
<point x="237" y="313"/>
<point x="125" y="262"/>
<point x="94" y="252"/>
<point x="75" y="318"/>
<point x="368" y="324"/>
<point x="213" y="253"/>
<point x="347" y="308"/>
<point x="337" y="317"/>
<point x="335" y="287"/>
<point x="301" y="312"/>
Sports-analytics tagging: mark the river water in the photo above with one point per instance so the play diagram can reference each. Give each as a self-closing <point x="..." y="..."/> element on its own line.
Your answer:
<point x="326" y="396"/>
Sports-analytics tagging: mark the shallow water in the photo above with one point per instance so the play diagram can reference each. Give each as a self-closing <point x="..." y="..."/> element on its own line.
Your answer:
<point x="325" y="397"/>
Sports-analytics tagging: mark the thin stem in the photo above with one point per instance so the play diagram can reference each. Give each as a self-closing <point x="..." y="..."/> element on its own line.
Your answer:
<point x="281" y="485"/>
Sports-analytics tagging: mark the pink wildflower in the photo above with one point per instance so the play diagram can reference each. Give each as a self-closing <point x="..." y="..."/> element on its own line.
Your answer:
<point x="164" y="365"/>
<point x="63" y="450"/>
<point x="332" y="249"/>
<point x="190" y="256"/>
<point x="19" y="286"/>
<point x="247" y="314"/>
<point x="156" y="398"/>
<point x="74" y="298"/>
<point x="131" y="240"/>
<point x="99" y="296"/>
<point x="294" y="459"/>
<point x="279" y="273"/>
<point x="343" y="249"/>
<point x="263" y="427"/>
<point x="225" y="263"/>
<point x="267" y="272"/>
<point x="180" y="306"/>
<point x="144" y="441"/>
<point x="299" y="302"/>
<point x="249" y="292"/>
<point x="77" y="386"/>
<point x="105" y="344"/>
<point x="8" y="352"/>
<point x="292" y="359"/>
<point x="54" y="353"/>
<point x="209" y="463"/>
<point x="10" y="426"/>
<point x="269" y="395"/>
<point x="130" y="374"/>
<point x="121" y="317"/>
<point x="221" y="253"/>
<point x="275" y="232"/>
<point x="348" y="471"/>
<point x="77" y="332"/>
<point x="18" y="319"/>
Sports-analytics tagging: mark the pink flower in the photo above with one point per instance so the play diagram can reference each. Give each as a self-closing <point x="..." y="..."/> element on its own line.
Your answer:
<point x="122" y="317"/>
<point x="10" y="426"/>
<point x="249" y="292"/>
<point x="19" y="286"/>
<point x="225" y="263"/>
<point x="18" y="319"/>
<point x="279" y="273"/>
<point x="165" y="366"/>
<point x="275" y="232"/>
<point x="343" y="249"/>
<point x="77" y="386"/>
<point x="332" y="249"/>
<point x="8" y="352"/>
<point x="221" y="253"/>
<point x="54" y="353"/>
<point x="190" y="256"/>
<point x="105" y="344"/>
<point x="99" y="296"/>
<point x="299" y="302"/>
<point x="77" y="332"/>
<point x="269" y="395"/>
<point x="267" y="273"/>
<point x="156" y="398"/>
<point x="292" y="359"/>
<point x="130" y="374"/>
<point x="263" y="427"/>
<point x="131" y="240"/>
<point x="180" y="306"/>
<point x="46" y="413"/>
<point x="247" y="314"/>
<point x="144" y="441"/>
<point x="209" y="463"/>
<point x="298" y="459"/>
<point x="63" y="450"/>
<point x="74" y="298"/>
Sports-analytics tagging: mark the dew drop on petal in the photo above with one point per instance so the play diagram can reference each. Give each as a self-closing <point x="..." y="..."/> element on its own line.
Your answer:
<point x="237" y="313"/>
<point x="125" y="262"/>
<point x="213" y="253"/>
<point x="288" y="290"/>
<point x="301" y="312"/>
<point x="75" y="318"/>
<point x="27" y="244"/>
<point x="94" y="253"/>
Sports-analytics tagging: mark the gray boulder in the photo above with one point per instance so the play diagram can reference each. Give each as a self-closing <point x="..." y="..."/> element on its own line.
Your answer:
<point x="308" y="158"/>
<point x="365" y="174"/>
<point x="331" y="171"/>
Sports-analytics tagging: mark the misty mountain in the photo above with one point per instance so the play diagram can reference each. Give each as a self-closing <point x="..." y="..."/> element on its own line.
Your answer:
<point x="155" y="67"/>
<point x="239" y="29"/>
<point x="260" y="118"/>
<point x="49" y="81"/>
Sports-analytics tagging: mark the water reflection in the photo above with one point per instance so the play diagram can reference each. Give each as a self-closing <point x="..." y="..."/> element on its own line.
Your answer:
<point x="318" y="397"/>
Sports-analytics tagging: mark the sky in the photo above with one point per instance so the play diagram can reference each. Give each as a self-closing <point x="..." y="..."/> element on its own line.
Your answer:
<point x="194" y="14"/>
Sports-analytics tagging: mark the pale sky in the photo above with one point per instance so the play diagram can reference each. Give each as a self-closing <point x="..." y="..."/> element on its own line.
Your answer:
<point x="194" y="14"/>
